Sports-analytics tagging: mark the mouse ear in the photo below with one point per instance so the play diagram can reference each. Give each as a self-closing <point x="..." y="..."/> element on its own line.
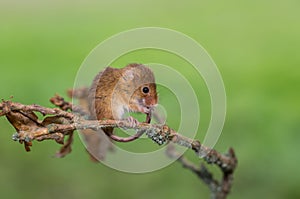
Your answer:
<point x="128" y="75"/>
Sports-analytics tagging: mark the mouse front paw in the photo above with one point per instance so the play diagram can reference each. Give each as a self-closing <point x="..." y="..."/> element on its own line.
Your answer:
<point x="132" y="122"/>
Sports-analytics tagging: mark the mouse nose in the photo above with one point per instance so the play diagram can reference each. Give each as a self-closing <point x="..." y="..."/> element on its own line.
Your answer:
<point x="151" y="101"/>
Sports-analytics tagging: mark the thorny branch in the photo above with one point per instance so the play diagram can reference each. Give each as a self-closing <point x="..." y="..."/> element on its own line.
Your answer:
<point x="58" y="123"/>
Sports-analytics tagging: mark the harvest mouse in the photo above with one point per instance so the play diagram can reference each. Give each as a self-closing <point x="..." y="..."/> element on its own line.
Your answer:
<point x="117" y="91"/>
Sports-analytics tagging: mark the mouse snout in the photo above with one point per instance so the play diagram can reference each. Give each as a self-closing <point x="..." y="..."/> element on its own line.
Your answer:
<point x="150" y="101"/>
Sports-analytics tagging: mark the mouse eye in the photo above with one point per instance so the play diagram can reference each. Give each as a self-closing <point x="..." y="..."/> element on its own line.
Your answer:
<point x="145" y="90"/>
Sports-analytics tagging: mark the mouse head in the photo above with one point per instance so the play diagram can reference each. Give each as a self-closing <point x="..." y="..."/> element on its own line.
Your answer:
<point x="142" y="92"/>
<point x="144" y="99"/>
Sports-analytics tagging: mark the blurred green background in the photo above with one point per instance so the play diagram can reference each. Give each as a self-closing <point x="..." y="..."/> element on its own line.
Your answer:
<point x="255" y="44"/>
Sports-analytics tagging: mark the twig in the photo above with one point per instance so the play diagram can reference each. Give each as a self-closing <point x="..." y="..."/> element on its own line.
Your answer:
<point x="59" y="123"/>
<point x="219" y="190"/>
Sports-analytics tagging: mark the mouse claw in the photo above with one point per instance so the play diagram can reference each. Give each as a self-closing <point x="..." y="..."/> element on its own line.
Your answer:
<point x="132" y="122"/>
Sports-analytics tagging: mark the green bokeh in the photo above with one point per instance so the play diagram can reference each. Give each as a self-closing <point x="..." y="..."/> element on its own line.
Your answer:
<point x="255" y="45"/>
